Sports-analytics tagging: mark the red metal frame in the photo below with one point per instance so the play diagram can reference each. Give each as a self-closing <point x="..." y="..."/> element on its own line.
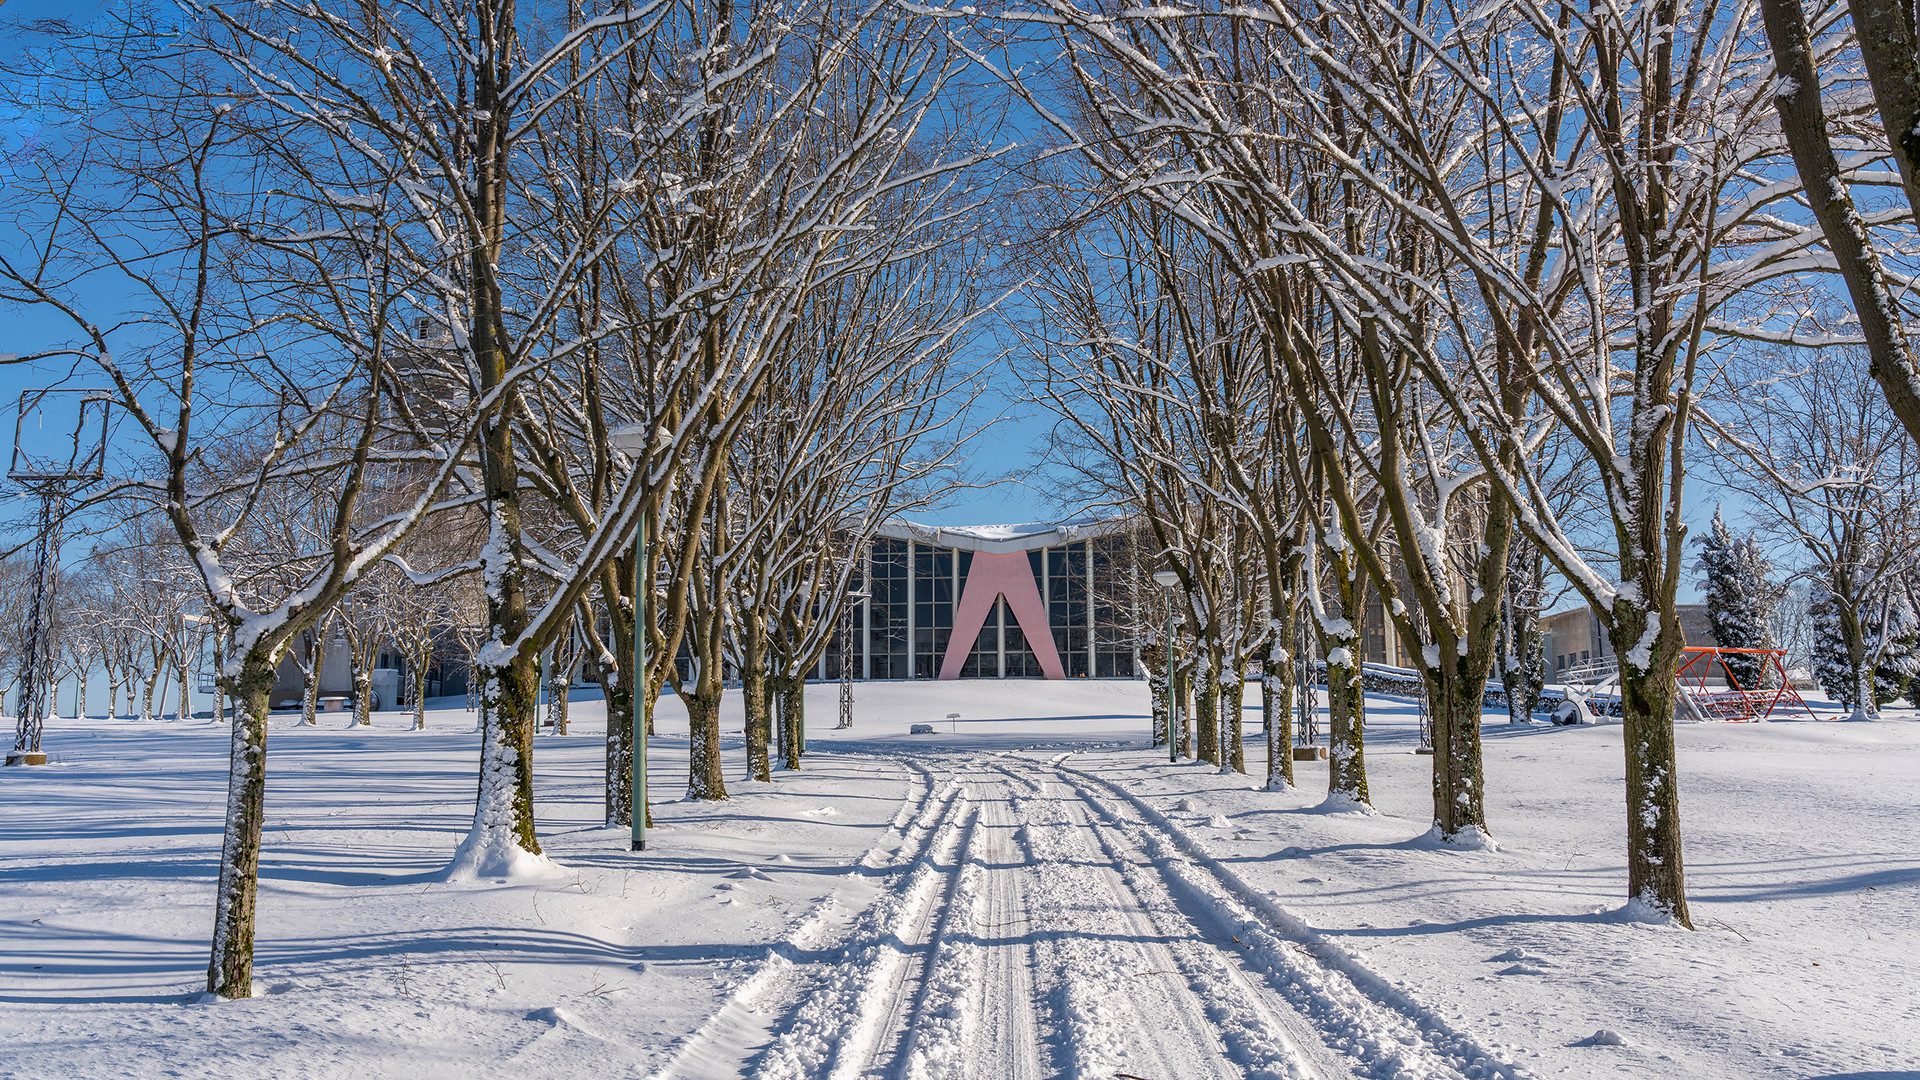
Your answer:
<point x="1738" y="704"/>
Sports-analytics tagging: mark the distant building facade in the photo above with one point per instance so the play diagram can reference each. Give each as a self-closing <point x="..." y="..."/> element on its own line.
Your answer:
<point x="1576" y="638"/>
<point x="1039" y="600"/>
<point x="1028" y="601"/>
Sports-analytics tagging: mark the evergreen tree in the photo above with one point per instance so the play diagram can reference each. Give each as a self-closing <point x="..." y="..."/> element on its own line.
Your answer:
<point x="1740" y="598"/>
<point x="1894" y="657"/>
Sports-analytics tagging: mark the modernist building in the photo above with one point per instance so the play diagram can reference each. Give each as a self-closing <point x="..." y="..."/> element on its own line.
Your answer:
<point x="1033" y="601"/>
<point x="1029" y="601"/>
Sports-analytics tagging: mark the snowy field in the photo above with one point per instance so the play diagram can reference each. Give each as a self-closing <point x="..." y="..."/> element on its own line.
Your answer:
<point x="1028" y="892"/>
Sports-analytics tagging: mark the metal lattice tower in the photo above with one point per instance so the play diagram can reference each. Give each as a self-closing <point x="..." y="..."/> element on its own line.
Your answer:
<point x="36" y="663"/>
<point x="51" y="476"/>
<point x="846" y="665"/>
<point x="852" y="601"/>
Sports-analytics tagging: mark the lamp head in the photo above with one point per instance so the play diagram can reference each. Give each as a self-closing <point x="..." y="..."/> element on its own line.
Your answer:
<point x="1166" y="579"/>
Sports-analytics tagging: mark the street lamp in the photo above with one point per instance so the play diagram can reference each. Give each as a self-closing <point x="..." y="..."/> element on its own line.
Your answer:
<point x="1169" y="580"/>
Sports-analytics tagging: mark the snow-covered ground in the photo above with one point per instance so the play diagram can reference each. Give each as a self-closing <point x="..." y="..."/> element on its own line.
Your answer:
<point x="1027" y="892"/>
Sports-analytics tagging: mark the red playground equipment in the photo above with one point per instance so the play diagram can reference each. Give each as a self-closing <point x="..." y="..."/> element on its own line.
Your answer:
<point x="1735" y="703"/>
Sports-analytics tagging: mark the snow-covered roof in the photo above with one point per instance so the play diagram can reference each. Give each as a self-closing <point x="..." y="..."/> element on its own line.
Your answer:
<point x="996" y="539"/>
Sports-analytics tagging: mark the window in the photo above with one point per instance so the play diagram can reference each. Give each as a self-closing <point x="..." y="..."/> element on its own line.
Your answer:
<point x="1067" y="606"/>
<point x="849" y="619"/>
<point x="932" y="609"/>
<point x="887" y="632"/>
<point x="1112" y="599"/>
<point x="984" y="661"/>
<point x="1021" y="663"/>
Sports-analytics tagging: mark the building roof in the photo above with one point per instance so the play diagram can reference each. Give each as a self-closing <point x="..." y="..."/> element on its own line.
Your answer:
<point x="997" y="539"/>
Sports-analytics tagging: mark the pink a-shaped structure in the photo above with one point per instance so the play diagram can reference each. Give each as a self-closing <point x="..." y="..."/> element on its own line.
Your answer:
<point x="991" y="577"/>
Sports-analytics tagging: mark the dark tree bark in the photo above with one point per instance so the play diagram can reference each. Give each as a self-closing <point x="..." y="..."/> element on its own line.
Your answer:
<point x="755" y="696"/>
<point x="1887" y="43"/>
<point x="230" y="969"/>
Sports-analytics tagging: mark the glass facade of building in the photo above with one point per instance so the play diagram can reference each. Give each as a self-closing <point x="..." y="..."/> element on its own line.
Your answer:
<point x="905" y="629"/>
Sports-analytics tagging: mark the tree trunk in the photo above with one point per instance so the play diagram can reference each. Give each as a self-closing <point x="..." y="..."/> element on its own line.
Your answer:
<point x="559" y="691"/>
<point x="1346" y="695"/>
<point x="230" y="969"/>
<point x="1206" y="707"/>
<point x="1886" y="43"/>
<point x="1346" y="730"/>
<point x="1158" y="685"/>
<point x="146" y="697"/>
<point x="310" y="695"/>
<point x="754" y="697"/>
<point x="793" y="716"/>
<point x="420" y="686"/>
<point x="509" y="695"/>
<point x="362" y="696"/>
<point x="1860" y="667"/>
<point x="617" y="688"/>
<point x="1276" y="708"/>
<point x="503" y="809"/>
<point x="186" y="688"/>
<point x="1183" y="704"/>
<point x="1655" y="872"/>
<point x="1456" y="697"/>
<point x="777" y="701"/>
<point x="1233" y="702"/>
<point x="1890" y="45"/>
<point x="704" y="778"/>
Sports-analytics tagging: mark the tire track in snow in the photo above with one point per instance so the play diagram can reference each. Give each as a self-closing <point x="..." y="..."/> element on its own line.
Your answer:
<point x="1389" y="1033"/>
<point x="1003" y="1000"/>
<point x="1100" y="966"/>
<point x="781" y="977"/>
<point x="1043" y="922"/>
<point x="851" y="1008"/>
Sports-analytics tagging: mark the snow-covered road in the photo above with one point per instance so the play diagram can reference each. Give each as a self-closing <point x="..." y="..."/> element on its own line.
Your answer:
<point x="1034" y="921"/>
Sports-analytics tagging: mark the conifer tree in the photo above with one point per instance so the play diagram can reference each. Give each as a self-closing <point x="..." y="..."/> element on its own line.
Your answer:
<point x="1740" y="598"/>
<point x="1853" y="647"/>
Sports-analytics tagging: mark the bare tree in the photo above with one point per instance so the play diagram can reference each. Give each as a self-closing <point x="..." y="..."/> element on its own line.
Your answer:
<point x="163" y="199"/>
<point x="1827" y="468"/>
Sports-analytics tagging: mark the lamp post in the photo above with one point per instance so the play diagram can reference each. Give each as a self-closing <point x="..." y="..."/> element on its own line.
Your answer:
<point x="1169" y="580"/>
